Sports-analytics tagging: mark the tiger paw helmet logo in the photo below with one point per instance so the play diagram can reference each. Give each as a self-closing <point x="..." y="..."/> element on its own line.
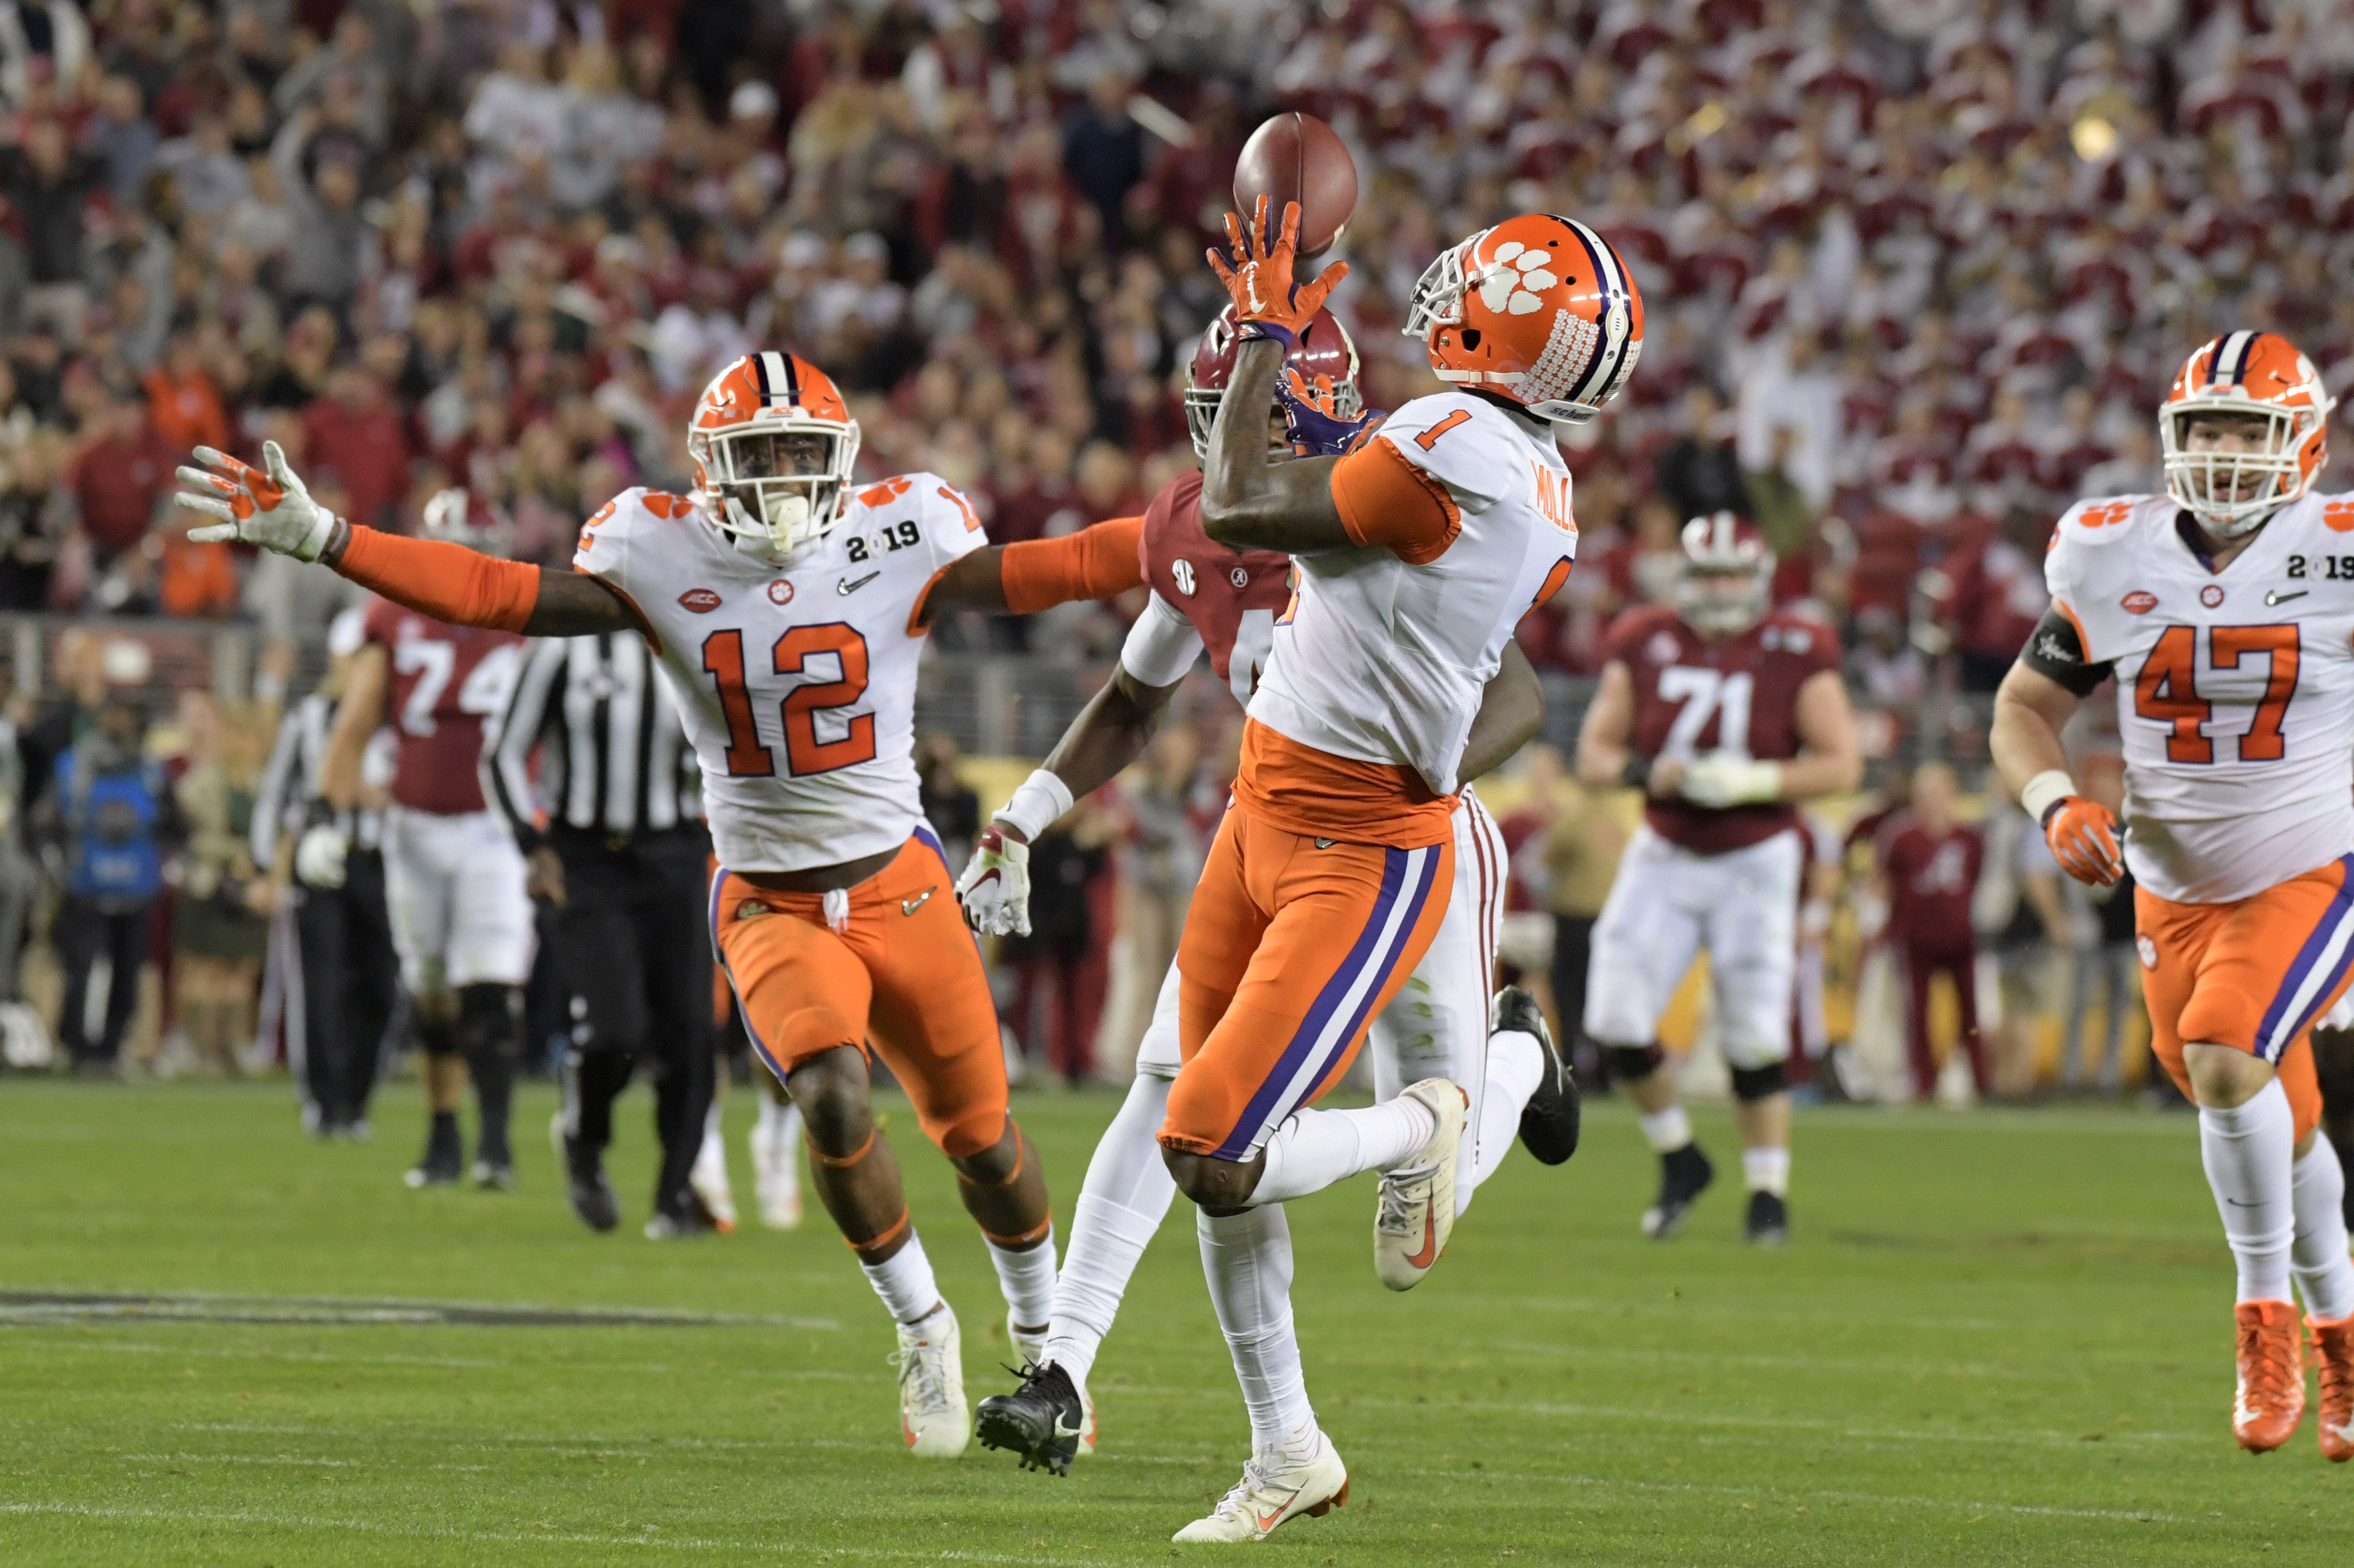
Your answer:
<point x="1512" y="285"/>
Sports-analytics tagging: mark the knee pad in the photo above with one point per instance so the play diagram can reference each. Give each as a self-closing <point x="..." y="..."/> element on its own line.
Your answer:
<point x="489" y="1020"/>
<point x="1634" y="1060"/>
<point x="1751" y="1085"/>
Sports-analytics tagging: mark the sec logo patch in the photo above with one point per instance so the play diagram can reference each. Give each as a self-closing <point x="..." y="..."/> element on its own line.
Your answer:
<point x="1183" y="572"/>
<point x="700" y="600"/>
<point x="780" y="592"/>
<point x="2210" y="596"/>
<point x="2141" y="601"/>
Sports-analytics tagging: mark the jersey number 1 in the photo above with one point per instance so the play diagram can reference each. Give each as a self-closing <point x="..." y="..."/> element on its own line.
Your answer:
<point x="723" y="660"/>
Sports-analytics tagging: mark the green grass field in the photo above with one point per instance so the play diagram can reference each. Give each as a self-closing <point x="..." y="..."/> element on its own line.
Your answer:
<point x="2002" y="1338"/>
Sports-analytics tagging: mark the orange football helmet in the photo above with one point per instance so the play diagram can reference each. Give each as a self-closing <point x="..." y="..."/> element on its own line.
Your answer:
<point x="1539" y="309"/>
<point x="773" y="446"/>
<point x="2244" y="374"/>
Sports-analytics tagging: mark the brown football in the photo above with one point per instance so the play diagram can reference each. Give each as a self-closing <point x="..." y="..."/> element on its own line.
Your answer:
<point x="1297" y="157"/>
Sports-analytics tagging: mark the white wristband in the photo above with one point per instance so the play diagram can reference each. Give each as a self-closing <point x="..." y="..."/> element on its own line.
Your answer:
<point x="2051" y="784"/>
<point x="1038" y="805"/>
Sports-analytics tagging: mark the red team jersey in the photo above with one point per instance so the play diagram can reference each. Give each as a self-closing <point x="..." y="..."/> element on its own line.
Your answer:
<point x="1931" y="878"/>
<point x="444" y="681"/>
<point x="1694" y="696"/>
<point x="1231" y="596"/>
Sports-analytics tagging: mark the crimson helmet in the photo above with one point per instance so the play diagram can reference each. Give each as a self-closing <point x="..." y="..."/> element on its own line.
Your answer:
<point x="1725" y="583"/>
<point x="1320" y="369"/>
<point x="2258" y="373"/>
<point x="773" y="446"/>
<point x="456" y="516"/>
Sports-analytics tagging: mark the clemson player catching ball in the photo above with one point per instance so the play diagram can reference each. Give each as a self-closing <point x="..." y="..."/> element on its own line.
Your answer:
<point x="1417" y="553"/>
<point x="788" y="612"/>
<point x="2224" y="611"/>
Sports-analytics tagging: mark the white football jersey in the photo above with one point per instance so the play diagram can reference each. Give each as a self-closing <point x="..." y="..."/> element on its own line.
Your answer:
<point x="1381" y="660"/>
<point x="797" y="682"/>
<point x="2235" y="688"/>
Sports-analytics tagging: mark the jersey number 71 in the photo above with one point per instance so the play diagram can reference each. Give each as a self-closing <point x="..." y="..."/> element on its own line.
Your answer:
<point x="723" y="659"/>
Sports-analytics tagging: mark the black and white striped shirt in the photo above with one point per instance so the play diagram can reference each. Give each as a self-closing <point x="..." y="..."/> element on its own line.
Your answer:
<point x="613" y="756"/>
<point x="290" y="782"/>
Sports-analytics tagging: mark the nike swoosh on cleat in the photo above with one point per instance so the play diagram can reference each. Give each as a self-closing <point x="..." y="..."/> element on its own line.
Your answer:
<point x="1429" y="1253"/>
<point x="910" y="906"/>
<point x="852" y="585"/>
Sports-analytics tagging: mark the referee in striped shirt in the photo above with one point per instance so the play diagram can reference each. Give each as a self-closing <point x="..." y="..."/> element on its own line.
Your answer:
<point x="624" y="859"/>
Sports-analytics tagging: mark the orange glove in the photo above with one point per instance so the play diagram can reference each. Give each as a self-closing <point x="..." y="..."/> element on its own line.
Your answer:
<point x="1266" y="298"/>
<point x="2083" y="839"/>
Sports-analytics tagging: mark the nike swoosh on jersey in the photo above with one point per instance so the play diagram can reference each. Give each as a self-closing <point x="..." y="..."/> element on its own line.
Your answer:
<point x="852" y="585"/>
<point x="910" y="906"/>
<point x="2276" y="597"/>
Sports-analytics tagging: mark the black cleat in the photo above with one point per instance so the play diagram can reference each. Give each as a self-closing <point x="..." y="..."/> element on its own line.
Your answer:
<point x="1769" y="1224"/>
<point x="442" y="1163"/>
<point x="1042" y="1421"/>
<point x="1684" y="1175"/>
<point x="1549" y="1121"/>
<point x="494" y="1175"/>
<point x="584" y="1180"/>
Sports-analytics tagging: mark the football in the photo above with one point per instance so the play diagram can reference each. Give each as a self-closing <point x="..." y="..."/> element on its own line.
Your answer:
<point x="1297" y="157"/>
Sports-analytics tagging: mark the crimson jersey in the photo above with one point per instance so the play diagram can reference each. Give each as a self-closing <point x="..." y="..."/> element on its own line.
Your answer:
<point x="1232" y="597"/>
<point x="1736" y="694"/>
<point x="1931" y="878"/>
<point x="443" y="682"/>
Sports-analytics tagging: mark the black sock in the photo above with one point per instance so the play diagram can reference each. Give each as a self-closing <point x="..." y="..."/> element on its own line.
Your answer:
<point x="441" y="1145"/>
<point x="489" y="1021"/>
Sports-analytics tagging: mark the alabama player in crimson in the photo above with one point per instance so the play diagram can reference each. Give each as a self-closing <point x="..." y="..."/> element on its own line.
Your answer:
<point x="1724" y="714"/>
<point x="1417" y="554"/>
<point x="2224" y="612"/>
<point x="462" y="922"/>
<point x="788" y="608"/>
<point x="1210" y="597"/>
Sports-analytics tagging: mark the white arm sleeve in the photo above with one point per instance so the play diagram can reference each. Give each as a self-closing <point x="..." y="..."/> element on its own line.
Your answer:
<point x="1161" y="646"/>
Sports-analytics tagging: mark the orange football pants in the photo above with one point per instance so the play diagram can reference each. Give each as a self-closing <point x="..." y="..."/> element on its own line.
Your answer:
<point x="1292" y="944"/>
<point x="2253" y="975"/>
<point x="905" y="973"/>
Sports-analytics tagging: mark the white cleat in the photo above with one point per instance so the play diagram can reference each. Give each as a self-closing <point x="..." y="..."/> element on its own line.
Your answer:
<point x="1417" y="1211"/>
<point x="708" y="1182"/>
<point x="932" y="1415"/>
<point x="776" y="1184"/>
<point x="1272" y="1489"/>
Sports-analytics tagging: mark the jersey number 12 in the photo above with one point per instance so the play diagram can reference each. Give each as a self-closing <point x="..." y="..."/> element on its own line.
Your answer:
<point x="723" y="659"/>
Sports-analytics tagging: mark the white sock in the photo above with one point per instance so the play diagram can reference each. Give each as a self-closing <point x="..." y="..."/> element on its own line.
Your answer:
<point x="1516" y="1066"/>
<point x="2325" y="1275"/>
<point x="1028" y="1278"/>
<point x="779" y="1127"/>
<point x="2247" y="1150"/>
<point x="1314" y="1148"/>
<point x="1767" y="1170"/>
<point x="1125" y="1197"/>
<point x="1666" y="1130"/>
<point x="905" y="1282"/>
<point x="1248" y="1260"/>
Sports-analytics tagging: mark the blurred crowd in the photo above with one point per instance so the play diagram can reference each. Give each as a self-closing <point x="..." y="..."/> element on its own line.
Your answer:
<point x="1917" y="269"/>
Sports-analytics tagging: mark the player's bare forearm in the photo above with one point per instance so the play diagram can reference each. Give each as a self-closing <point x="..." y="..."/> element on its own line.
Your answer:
<point x="574" y="604"/>
<point x="1831" y="755"/>
<point x="2030" y="712"/>
<point x="1603" y="741"/>
<point x="358" y="717"/>
<point x="1511" y="711"/>
<point x="1247" y="500"/>
<point x="1111" y="731"/>
<point x="976" y="581"/>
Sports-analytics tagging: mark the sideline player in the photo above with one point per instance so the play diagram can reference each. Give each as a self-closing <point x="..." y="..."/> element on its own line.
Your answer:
<point x="2224" y="611"/>
<point x="453" y="880"/>
<point x="1208" y="596"/>
<point x="1723" y="714"/>
<point x="1417" y="553"/>
<point x="788" y="612"/>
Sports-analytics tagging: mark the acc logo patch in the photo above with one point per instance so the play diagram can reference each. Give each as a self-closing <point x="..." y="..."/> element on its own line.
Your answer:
<point x="701" y="600"/>
<point x="2149" y="950"/>
<point x="780" y="592"/>
<point x="2141" y="601"/>
<point x="1183" y="572"/>
<point x="2210" y="596"/>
